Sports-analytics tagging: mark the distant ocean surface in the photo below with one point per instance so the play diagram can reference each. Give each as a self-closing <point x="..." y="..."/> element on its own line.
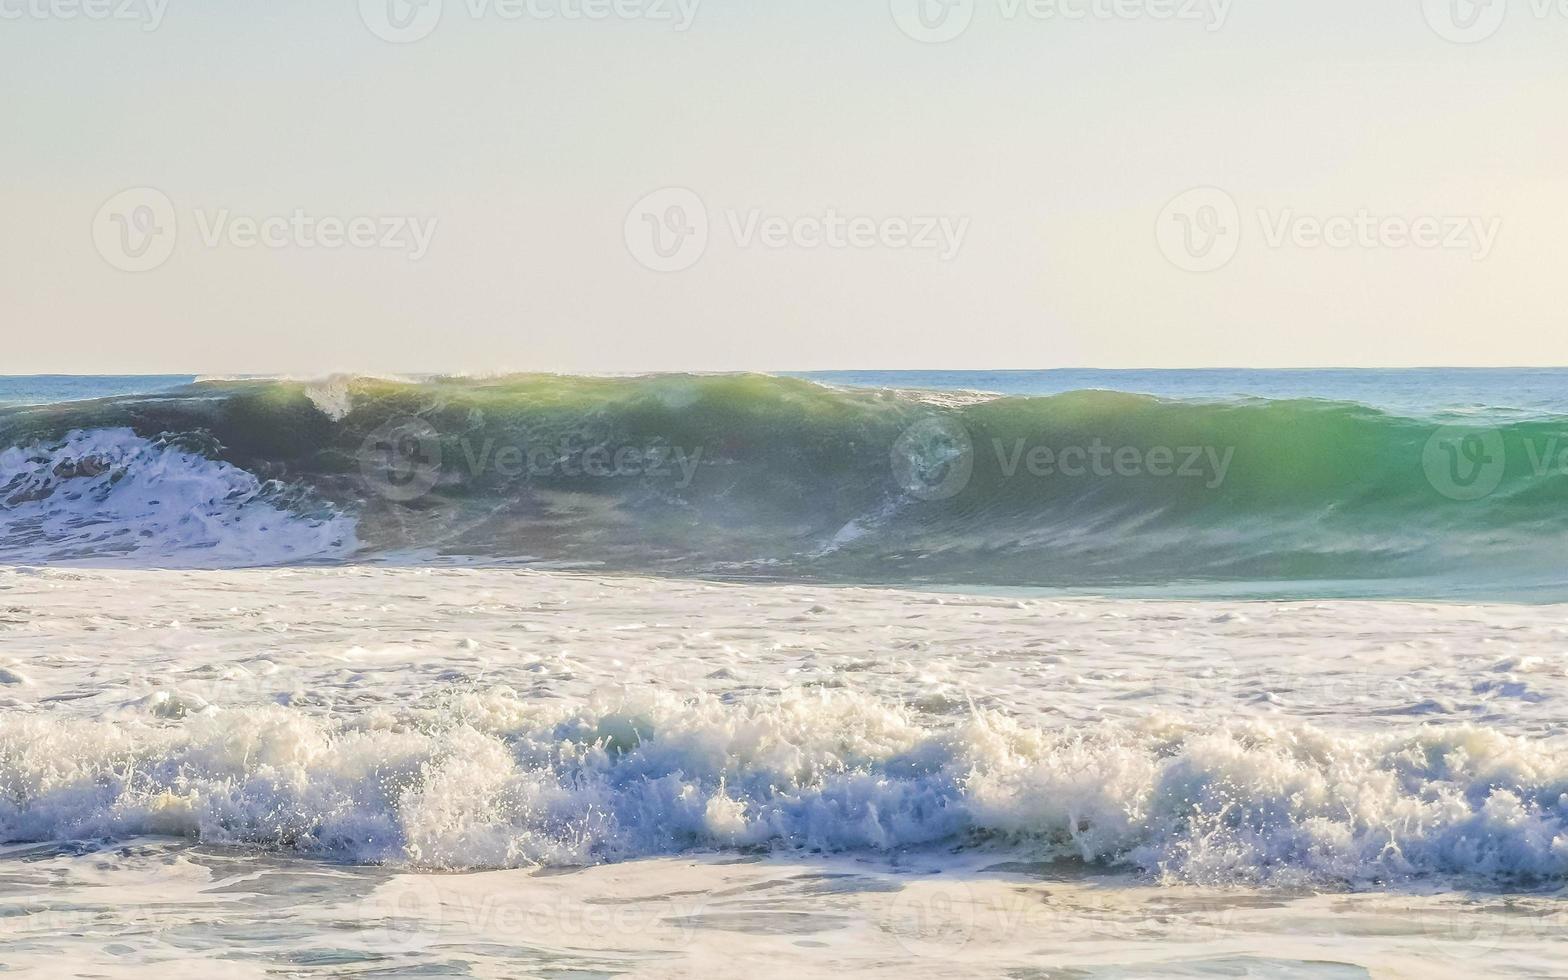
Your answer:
<point x="46" y="389"/>
<point x="1417" y="391"/>
<point x="1434" y="483"/>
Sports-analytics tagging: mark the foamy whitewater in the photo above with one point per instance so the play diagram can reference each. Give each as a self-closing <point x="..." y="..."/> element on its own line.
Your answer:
<point x="281" y="692"/>
<point x="107" y="494"/>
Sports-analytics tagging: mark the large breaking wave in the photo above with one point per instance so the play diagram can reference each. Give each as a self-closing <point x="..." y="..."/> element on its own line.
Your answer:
<point x="772" y="477"/>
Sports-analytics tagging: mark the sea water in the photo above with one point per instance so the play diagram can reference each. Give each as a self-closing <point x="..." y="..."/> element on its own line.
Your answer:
<point x="290" y="684"/>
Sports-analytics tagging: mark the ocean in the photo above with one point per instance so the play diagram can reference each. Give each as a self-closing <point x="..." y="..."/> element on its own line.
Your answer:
<point x="1033" y="674"/>
<point x="1429" y="484"/>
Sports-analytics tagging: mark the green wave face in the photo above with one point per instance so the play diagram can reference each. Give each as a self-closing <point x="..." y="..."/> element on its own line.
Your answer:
<point x="762" y="476"/>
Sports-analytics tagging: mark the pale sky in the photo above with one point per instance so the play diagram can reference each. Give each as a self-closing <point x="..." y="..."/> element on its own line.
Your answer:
<point x="1044" y="160"/>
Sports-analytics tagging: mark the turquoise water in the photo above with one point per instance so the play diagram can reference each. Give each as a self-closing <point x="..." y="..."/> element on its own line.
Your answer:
<point x="1425" y="483"/>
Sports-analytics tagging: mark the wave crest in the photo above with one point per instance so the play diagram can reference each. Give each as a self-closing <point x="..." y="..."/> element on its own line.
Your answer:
<point x="777" y="477"/>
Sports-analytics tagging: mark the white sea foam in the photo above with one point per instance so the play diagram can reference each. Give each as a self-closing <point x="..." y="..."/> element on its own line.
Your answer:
<point x="470" y="718"/>
<point x="488" y="780"/>
<point x="907" y="760"/>
<point x="109" y="495"/>
<point x="331" y="396"/>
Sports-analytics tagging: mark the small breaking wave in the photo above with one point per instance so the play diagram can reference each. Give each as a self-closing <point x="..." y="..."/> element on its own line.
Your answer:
<point x="488" y="780"/>
<point x="108" y="495"/>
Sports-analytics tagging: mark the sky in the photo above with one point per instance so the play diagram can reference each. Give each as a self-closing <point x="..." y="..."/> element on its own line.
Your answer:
<point x="312" y="186"/>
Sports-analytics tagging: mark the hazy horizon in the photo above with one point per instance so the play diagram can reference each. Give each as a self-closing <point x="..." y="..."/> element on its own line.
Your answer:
<point x="783" y="372"/>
